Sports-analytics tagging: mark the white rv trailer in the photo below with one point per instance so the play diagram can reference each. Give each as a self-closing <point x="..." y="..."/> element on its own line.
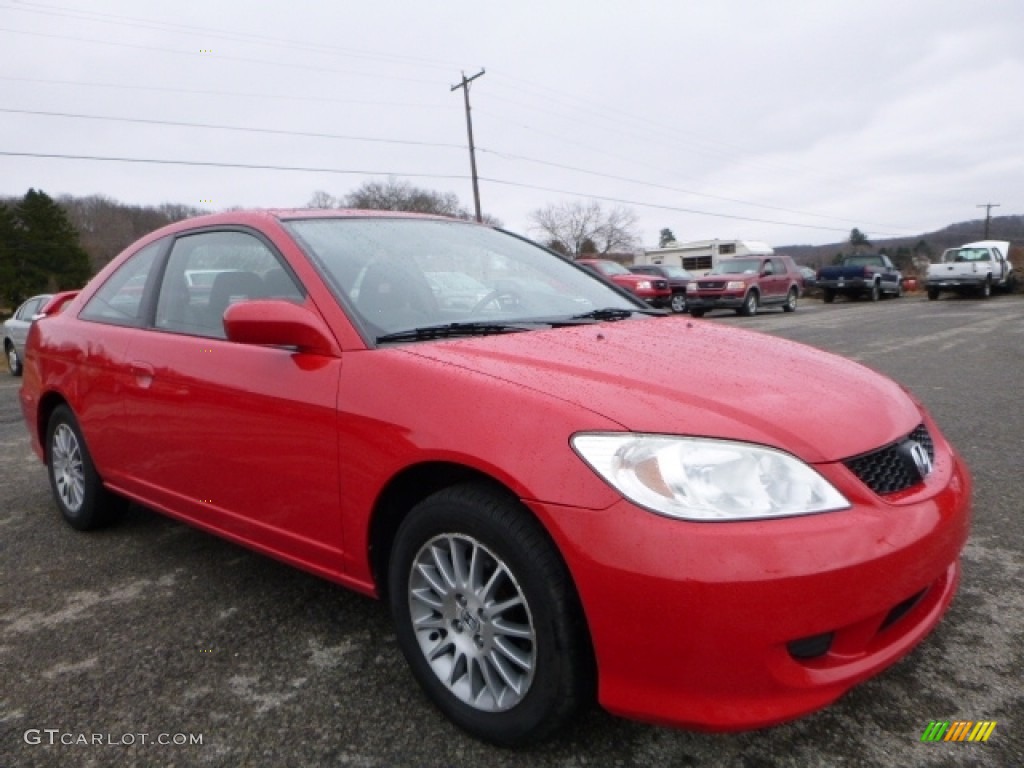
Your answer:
<point x="700" y="256"/>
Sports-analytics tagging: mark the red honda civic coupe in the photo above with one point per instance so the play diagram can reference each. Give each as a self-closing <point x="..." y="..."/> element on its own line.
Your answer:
<point x="703" y="552"/>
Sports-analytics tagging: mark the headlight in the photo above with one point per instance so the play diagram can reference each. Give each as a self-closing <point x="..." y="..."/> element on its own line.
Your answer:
<point x="703" y="479"/>
<point x="734" y="285"/>
<point x="692" y="287"/>
<point x="643" y="285"/>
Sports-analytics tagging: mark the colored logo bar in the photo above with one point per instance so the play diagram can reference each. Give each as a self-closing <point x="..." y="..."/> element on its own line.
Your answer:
<point x="958" y="730"/>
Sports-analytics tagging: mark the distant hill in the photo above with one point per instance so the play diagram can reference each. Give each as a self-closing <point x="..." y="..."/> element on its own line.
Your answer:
<point x="1000" y="228"/>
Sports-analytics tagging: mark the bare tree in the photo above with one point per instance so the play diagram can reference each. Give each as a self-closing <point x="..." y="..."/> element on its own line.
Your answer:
<point x="397" y="195"/>
<point x="579" y="225"/>
<point x="321" y="199"/>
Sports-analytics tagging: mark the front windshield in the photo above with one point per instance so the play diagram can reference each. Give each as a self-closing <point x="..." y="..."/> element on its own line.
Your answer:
<point x="610" y="268"/>
<point x="737" y="267"/>
<point x="677" y="273"/>
<point x="398" y="274"/>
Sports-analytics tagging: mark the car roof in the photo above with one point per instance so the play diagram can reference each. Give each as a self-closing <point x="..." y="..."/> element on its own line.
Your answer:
<point x="257" y="217"/>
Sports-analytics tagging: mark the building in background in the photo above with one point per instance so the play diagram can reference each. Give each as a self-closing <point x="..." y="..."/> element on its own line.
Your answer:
<point x="700" y="256"/>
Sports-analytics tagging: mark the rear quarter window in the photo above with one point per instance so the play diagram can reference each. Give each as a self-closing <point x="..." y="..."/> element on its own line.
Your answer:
<point x="119" y="299"/>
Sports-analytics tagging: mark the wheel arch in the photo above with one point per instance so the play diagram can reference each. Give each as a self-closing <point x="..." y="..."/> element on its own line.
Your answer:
<point x="48" y="403"/>
<point x="414" y="484"/>
<point x="407" y="489"/>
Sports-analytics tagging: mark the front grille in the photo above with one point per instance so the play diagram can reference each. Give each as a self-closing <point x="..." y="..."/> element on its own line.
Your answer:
<point x="891" y="469"/>
<point x="661" y="284"/>
<point x="715" y="285"/>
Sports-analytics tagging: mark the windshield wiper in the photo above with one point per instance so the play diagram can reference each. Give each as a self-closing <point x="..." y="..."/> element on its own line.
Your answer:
<point x="450" y="330"/>
<point x="616" y="313"/>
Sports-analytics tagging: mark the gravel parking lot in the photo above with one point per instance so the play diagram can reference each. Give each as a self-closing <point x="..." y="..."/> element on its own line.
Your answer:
<point x="152" y="631"/>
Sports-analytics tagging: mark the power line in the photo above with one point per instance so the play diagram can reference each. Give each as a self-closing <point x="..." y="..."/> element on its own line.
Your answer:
<point x="174" y="28"/>
<point x="348" y="137"/>
<point x="241" y="128"/>
<point x="669" y="207"/>
<point x="242" y="59"/>
<point x="666" y="187"/>
<point x="216" y="164"/>
<point x="210" y="92"/>
<point x="309" y="169"/>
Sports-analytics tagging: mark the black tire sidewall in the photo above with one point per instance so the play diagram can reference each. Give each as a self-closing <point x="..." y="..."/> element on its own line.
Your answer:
<point x="539" y="711"/>
<point x="89" y="515"/>
<point x="791" y="300"/>
<point x="17" y="367"/>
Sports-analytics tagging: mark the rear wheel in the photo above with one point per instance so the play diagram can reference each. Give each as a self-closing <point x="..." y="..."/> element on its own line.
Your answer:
<point x="933" y="294"/>
<point x="876" y="292"/>
<point x="77" y="488"/>
<point x="13" y="361"/>
<point x="697" y="312"/>
<point x="791" y="299"/>
<point x="487" y="616"/>
<point x="828" y="295"/>
<point x="986" y="288"/>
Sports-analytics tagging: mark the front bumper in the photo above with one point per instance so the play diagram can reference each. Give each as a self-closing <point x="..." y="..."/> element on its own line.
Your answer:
<point x="715" y="301"/>
<point x="725" y="626"/>
<point x="659" y="300"/>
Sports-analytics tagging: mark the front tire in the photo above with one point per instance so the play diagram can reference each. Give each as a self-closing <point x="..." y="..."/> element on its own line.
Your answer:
<point x="933" y="294"/>
<point x="77" y="488"/>
<point x="13" y="361"/>
<point x="986" y="288"/>
<point x="876" y="292"/>
<point x="749" y="308"/>
<point x="678" y="303"/>
<point x="487" y="616"/>
<point x="828" y="295"/>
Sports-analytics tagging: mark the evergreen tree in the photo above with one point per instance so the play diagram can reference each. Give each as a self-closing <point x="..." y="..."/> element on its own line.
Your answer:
<point x="48" y="255"/>
<point x="665" y="237"/>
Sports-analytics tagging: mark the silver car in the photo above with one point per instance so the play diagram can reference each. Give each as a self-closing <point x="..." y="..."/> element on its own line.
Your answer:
<point x="16" y="330"/>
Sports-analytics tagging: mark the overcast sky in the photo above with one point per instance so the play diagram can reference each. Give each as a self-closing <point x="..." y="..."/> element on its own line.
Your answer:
<point x="789" y="121"/>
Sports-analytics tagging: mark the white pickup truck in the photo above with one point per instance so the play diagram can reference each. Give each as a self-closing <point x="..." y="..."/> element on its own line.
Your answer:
<point x="976" y="267"/>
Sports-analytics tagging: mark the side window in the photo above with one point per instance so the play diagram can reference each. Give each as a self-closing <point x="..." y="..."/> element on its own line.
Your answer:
<point x="119" y="299"/>
<point x="778" y="267"/>
<point x="208" y="272"/>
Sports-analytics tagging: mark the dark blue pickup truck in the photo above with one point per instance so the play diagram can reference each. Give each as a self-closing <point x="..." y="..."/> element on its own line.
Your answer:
<point x="868" y="274"/>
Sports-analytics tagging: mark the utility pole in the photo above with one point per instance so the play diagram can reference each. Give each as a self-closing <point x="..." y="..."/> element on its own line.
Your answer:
<point x="464" y="85"/>
<point x="988" y="213"/>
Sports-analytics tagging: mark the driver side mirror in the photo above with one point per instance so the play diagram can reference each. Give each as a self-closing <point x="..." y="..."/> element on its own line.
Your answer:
<point x="278" y="323"/>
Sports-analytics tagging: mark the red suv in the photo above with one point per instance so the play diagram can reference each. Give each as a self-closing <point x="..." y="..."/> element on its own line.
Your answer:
<point x="746" y="283"/>
<point x="654" y="290"/>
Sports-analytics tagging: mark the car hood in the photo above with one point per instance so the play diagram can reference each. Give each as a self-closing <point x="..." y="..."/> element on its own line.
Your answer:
<point x="693" y="377"/>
